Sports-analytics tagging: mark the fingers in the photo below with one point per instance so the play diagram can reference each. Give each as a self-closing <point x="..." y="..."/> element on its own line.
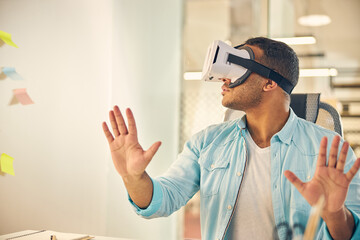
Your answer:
<point x="334" y="161"/>
<point x="108" y="134"/>
<point x="131" y="122"/>
<point x="294" y="180"/>
<point x="114" y="123"/>
<point x="149" y="154"/>
<point x="120" y="123"/>
<point x="322" y="153"/>
<point x="340" y="164"/>
<point x="353" y="170"/>
<point x="334" y="151"/>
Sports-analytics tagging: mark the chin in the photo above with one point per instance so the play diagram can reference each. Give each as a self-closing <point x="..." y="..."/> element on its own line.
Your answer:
<point x="228" y="104"/>
<point x="224" y="103"/>
<point x="232" y="106"/>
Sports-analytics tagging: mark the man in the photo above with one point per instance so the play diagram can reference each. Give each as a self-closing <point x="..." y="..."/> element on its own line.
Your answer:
<point x="250" y="171"/>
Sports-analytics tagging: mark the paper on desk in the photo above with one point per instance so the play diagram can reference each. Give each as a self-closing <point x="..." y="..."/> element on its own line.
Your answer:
<point x="22" y="96"/>
<point x="46" y="235"/>
<point x="11" y="73"/>
<point x="6" y="37"/>
<point x="6" y="164"/>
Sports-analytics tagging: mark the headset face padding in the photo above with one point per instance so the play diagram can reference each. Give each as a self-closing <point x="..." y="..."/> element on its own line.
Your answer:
<point x="243" y="78"/>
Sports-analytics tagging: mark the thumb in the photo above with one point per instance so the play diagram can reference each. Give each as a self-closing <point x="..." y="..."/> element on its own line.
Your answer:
<point x="149" y="154"/>
<point x="294" y="180"/>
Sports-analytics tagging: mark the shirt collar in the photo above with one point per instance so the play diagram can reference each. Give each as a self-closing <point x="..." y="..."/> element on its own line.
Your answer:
<point x="242" y="122"/>
<point x="285" y="134"/>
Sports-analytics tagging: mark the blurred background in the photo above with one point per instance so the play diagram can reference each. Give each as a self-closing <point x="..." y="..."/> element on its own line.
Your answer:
<point x="78" y="58"/>
<point x="324" y="33"/>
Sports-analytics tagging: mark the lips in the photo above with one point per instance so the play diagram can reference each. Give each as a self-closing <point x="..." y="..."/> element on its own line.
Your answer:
<point x="224" y="89"/>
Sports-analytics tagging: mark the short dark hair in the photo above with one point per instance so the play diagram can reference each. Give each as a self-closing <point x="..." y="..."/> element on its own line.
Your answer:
<point x="278" y="56"/>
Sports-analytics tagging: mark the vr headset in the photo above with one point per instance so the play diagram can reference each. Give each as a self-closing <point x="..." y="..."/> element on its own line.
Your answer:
<point x="236" y="64"/>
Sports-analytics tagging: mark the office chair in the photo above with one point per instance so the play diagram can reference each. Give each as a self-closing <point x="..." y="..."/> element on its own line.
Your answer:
<point x="309" y="107"/>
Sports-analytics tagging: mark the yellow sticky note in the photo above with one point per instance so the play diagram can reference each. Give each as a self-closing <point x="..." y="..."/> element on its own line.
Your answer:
<point x="6" y="37"/>
<point x="6" y="164"/>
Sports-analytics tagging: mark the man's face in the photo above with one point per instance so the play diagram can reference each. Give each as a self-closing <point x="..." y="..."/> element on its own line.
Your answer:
<point x="247" y="95"/>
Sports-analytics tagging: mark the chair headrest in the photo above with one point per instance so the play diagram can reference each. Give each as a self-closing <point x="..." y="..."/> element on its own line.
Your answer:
<point x="306" y="106"/>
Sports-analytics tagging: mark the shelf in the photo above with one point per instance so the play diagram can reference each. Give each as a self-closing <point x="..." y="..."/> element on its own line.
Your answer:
<point x="349" y="101"/>
<point x="345" y="85"/>
<point x="350" y="115"/>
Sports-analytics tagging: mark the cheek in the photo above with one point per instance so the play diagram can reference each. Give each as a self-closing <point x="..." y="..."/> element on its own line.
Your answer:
<point x="238" y="93"/>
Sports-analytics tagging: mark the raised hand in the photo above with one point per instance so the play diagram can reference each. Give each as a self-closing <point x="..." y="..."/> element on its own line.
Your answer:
<point x="129" y="158"/>
<point x="330" y="181"/>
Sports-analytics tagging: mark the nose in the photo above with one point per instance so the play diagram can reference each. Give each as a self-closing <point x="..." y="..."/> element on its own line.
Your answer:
<point x="226" y="80"/>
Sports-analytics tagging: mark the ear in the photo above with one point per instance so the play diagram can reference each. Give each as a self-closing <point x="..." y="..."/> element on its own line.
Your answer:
<point x="270" y="85"/>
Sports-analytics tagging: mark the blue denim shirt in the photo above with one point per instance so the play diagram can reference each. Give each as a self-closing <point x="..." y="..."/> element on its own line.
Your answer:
<point x="214" y="162"/>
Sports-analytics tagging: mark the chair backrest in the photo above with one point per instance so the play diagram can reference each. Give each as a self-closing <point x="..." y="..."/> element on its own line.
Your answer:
<point x="306" y="106"/>
<point x="309" y="107"/>
<point x="329" y="118"/>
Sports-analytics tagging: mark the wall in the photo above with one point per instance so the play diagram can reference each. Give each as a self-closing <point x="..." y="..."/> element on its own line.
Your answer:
<point x="146" y="73"/>
<point x="78" y="58"/>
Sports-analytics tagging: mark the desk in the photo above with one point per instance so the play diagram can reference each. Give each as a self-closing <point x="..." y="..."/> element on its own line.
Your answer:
<point x="4" y="237"/>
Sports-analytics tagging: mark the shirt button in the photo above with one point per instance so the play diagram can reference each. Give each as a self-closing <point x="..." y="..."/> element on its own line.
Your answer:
<point x="238" y="174"/>
<point x="212" y="166"/>
<point x="229" y="207"/>
<point x="308" y="177"/>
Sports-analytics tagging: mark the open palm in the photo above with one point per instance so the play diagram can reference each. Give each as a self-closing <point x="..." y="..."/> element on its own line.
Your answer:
<point x="128" y="156"/>
<point x="329" y="180"/>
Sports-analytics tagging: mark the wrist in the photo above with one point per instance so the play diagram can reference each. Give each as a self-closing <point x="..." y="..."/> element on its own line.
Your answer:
<point x="340" y="223"/>
<point x="133" y="178"/>
<point x="330" y="217"/>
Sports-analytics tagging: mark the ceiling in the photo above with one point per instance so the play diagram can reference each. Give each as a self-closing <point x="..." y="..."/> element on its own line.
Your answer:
<point x="237" y="20"/>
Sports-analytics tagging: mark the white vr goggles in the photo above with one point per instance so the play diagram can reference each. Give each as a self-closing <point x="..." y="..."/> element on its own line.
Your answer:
<point x="236" y="64"/>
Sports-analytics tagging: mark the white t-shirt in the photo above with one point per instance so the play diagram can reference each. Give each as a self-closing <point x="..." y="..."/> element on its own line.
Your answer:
<point x="254" y="216"/>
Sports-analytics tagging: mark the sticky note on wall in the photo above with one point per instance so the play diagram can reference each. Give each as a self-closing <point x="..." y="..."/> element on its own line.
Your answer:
<point x="22" y="96"/>
<point x="6" y="37"/>
<point x="11" y="73"/>
<point x="6" y="164"/>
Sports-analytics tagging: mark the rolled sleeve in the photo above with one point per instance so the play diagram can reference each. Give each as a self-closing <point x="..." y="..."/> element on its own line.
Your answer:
<point x="155" y="203"/>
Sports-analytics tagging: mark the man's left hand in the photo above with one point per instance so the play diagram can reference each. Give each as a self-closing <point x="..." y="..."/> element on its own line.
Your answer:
<point x="329" y="180"/>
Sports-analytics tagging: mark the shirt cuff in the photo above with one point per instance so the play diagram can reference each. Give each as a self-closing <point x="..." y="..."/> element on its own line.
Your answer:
<point x="155" y="203"/>
<point x="356" y="232"/>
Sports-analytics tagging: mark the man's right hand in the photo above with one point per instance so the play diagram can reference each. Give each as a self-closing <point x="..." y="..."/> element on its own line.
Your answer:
<point x="129" y="158"/>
